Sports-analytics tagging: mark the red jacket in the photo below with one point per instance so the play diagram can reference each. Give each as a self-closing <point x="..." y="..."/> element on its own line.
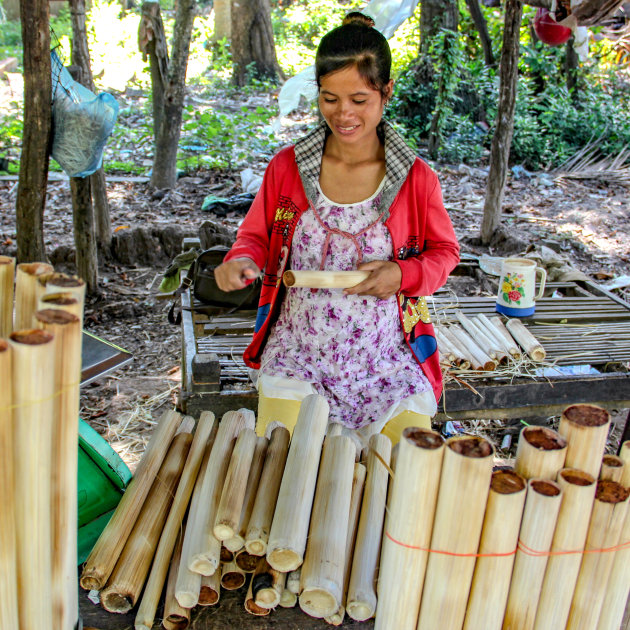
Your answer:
<point x="425" y="249"/>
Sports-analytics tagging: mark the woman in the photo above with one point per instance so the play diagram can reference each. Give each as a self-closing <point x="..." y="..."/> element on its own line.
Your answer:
<point x="349" y="195"/>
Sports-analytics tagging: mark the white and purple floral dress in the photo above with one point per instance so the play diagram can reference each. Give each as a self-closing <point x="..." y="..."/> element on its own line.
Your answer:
<point x="350" y="348"/>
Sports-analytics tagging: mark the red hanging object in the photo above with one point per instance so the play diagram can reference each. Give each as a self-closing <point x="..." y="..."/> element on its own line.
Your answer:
<point x="548" y="30"/>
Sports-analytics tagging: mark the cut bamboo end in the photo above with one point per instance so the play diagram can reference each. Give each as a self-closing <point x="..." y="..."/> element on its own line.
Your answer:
<point x="293" y="581"/>
<point x="585" y="427"/>
<point x="28" y="289"/>
<point x="210" y="590"/>
<point x="173" y="612"/>
<point x="612" y="468"/>
<point x="251" y="606"/>
<point x="246" y="561"/>
<point x="227" y="555"/>
<point x="63" y="283"/>
<point x="267" y="585"/>
<point x="232" y="576"/>
<point x="324" y="279"/>
<point x="499" y="537"/>
<point x="479" y="356"/>
<point x="288" y="599"/>
<point x="7" y="274"/>
<point x="336" y="619"/>
<point x="61" y="301"/>
<point x="527" y="341"/>
<point x="541" y="453"/>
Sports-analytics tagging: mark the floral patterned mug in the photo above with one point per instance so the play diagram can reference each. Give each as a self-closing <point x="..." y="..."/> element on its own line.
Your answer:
<point x="517" y="286"/>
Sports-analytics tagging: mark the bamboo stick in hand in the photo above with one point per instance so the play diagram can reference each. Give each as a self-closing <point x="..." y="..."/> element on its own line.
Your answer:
<point x="324" y="279"/>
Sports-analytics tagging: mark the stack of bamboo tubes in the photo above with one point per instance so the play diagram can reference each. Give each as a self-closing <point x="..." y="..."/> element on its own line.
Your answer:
<point x="40" y="363"/>
<point x="482" y="343"/>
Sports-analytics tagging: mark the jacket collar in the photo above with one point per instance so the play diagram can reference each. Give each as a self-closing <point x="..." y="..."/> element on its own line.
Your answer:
<point x="399" y="159"/>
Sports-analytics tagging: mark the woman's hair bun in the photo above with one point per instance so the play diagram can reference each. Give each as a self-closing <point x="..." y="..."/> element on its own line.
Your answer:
<point x="356" y="17"/>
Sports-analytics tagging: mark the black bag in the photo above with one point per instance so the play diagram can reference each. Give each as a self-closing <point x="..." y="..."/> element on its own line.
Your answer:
<point x="205" y="289"/>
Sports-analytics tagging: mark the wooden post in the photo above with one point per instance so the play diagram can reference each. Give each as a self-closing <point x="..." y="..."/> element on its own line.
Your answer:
<point x="33" y="399"/>
<point x="607" y="522"/>
<point x="108" y="547"/>
<point x="8" y="560"/>
<point x="322" y="573"/>
<point x="502" y="138"/>
<point x="578" y="490"/>
<point x="7" y="278"/>
<point x="361" y="604"/>
<point x="127" y="579"/>
<point x="464" y="487"/>
<point x="84" y="231"/>
<point x="539" y="521"/>
<point x="499" y="538"/>
<point x="407" y="536"/>
<point x="28" y="290"/>
<point x="585" y="428"/>
<point x="540" y="453"/>
<point x="259" y="522"/>
<point x="289" y="528"/>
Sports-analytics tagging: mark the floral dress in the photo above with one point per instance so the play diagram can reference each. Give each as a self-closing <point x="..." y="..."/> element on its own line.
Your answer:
<point x="350" y="348"/>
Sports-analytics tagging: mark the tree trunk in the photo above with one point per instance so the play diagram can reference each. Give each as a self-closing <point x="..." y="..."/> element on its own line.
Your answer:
<point x="436" y="15"/>
<point x="83" y="223"/>
<point x="165" y="159"/>
<point x="222" y="20"/>
<point x="502" y="138"/>
<point x="482" y="29"/>
<point x="81" y="58"/>
<point x="571" y="65"/>
<point x="31" y="195"/>
<point x="253" y="47"/>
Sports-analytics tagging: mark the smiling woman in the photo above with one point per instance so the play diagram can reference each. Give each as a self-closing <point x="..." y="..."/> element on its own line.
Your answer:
<point x="350" y="195"/>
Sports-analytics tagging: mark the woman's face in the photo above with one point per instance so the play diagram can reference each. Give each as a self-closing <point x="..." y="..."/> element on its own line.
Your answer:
<point x="350" y="106"/>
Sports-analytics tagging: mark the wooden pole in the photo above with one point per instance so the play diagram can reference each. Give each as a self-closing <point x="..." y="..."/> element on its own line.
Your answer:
<point x="612" y="468"/>
<point x="324" y="279"/>
<point x="127" y="579"/>
<point x="527" y="341"/>
<point x="322" y="573"/>
<point x="618" y="589"/>
<point x="232" y="576"/>
<point x="289" y="528"/>
<point x="230" y="506"/>
<point x="578" y="489"/>
<point x="585" y="428"/>
<point x="237" y="542"/>
<point x="411" y="508"/>
<point x="66" y="331"/>
<point x="499" y="537"/>
<point x="607" y="521"/>
<point x="259" y="522"/>
<point x="28" y="290"/>
<point x="542" y="506"/>
<point x="210" y="589"/>
<point x="173" y="612"/>
<point x="103" y="557"/>
<point x="540" y="453"/>
<point x="33" y="399"/>
<point x="8" y="560"/>
<point x="461" y="503"/>
<point x="7" y="276"/>
<point x="202" y="443"/>
<point x="361" y="604"/>
<point x="267" y="585"/>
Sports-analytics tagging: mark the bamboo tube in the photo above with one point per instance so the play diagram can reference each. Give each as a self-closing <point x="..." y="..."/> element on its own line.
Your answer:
<point x="607" y="521"/>
<point x="336" y="619"/>
<point x="492" y="331"/>
<point x="499" y="537"/>
<point x="251" y="606"/>
<point x="127" y="579"/>
<point x="618" y="587"/>
<point x="322" y="573"/>
<point x="578" y="493"/>
<point x="246" y="561"/>
<point x="411" y="508"/>
<point x="230" y="506"/>
<point x="481" y="358"/>
<point x="542" y="506"/>
<point x="173" y="612"/>
<point x="288" y="599"/>
<point x="63" y="283"/>
<point x="61" y="301"/>
<point x="108" y="547"/>
<point x="237" y="542"/>
<point x="289" y="528"/>
<point x="7" y="274"/>
<point x="202" y="551"/>
<point x="479" y="336"/>
<point x="612" y="468"/>
<point x="267" y="585"/>
<point x="201" y="444"/>
<point x="446" y="350"/>
<point x="499" y="326"/>
<point x="232" y="576"/>
<point x="324" y="279"/>
<point x="28" y="289"/>
<point x="502" y="355"/>
<point x="8" y="560"/>
<point x="226" y="555"/>
<point x="33" y="400"/>
<point x="585" y="428"/>
<point x="67" y="335"/>
<point x="540" y="453"/>
<point x="210" y="589"/>
<point x="462" y="350"/>
<point x="361" y="601"/>
<point x="461" y="503"/>
<point x="526" y="340"/>
<point x="293" y="581"/>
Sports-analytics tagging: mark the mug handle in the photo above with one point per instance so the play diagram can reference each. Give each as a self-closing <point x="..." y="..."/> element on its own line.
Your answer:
<point x="543" y="281"/>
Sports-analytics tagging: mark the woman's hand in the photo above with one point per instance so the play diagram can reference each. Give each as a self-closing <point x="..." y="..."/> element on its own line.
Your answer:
<point x="236" y="273"/>
<point x="383" y="281"/>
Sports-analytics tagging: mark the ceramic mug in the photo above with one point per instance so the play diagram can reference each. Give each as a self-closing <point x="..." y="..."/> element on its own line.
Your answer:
<point x="517" y="287"/>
